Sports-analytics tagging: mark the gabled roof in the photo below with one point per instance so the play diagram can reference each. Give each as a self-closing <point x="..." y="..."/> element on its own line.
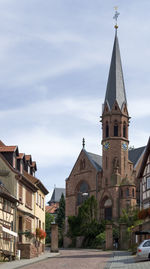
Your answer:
<point x="135" y="154"/>
<point x="144" y="161"/>
<point x="21" y="156"/>
<point x="95" y="159"/>
<point x="56" y="195"/>
<point x="115" y="85"/>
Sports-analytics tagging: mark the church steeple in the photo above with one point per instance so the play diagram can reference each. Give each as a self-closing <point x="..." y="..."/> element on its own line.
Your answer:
<point x="115" y="85"/>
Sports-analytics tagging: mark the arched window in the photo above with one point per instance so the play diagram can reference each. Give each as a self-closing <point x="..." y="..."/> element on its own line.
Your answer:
<point x="83" y="193"/>
<point x="121" y="193"/>
<point x="108" y="209"/>
<point x="127" y="192"/>
<point x="107" y="129"/>
<point x="115" y="128"/>
<point x="133" y="193"/>
<point x="124" y="130"/>
<point x="82" y="164"/>
<point x="106" y="162"/>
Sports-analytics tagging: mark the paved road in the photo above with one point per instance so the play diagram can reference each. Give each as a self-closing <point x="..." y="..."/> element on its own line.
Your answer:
<point x="75" y="259"/>
<point x="124" y="260"/>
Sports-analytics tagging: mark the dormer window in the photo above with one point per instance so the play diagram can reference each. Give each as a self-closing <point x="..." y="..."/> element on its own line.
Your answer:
<point x="115" y="128"/>
<point x="21" y="167"/>
<point x="28" y="169"/>
<point x="115" y="107"/>
<point x="14" y="161"/>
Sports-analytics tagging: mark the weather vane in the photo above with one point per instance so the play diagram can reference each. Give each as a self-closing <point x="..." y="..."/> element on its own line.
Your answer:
<point x="115" y="17"/>
<point x="83" y="142"/>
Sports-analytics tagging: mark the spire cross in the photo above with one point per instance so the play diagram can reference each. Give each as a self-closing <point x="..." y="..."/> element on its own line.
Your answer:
<point x="115" y="17"/>
<point x="83" y="143"/>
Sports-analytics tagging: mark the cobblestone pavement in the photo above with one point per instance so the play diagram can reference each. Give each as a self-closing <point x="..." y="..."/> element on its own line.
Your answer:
<point x="124" y="260"/>
<point x="75" y="259"/>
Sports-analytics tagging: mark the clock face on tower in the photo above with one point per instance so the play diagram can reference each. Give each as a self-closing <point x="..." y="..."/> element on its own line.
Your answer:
<point x="124" y="146"/>
<point x="106" y="145"/>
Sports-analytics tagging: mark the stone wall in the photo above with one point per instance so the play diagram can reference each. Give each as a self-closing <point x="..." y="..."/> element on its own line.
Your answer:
<point x="29" y="251"/>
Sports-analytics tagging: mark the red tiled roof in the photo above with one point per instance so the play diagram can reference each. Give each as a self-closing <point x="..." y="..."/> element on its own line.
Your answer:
<point x="51" y="208"/>
<point x="30" y="177"/>
<point x="7" y="148"/>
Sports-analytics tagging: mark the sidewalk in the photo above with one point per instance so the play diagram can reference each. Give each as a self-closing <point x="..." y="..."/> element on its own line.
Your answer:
<point x="23" y="262"/>
<point x="124" y="260"/>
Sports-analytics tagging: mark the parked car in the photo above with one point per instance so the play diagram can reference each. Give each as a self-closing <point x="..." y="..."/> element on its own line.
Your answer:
<point x="143" y="250"/>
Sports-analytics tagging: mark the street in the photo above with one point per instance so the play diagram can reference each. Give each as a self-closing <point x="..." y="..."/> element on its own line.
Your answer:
<point x="93" y="259"/>
<point x="75" y="259"/>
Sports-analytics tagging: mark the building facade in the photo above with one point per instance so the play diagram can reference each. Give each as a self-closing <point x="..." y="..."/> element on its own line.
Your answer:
<point x="18" y="175"/>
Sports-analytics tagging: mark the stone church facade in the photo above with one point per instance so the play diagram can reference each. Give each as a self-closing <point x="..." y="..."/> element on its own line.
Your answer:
<point x="111" y="178"/>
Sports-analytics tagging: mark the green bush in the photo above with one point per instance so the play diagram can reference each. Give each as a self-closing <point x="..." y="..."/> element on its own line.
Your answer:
<point x="100" y="240"/>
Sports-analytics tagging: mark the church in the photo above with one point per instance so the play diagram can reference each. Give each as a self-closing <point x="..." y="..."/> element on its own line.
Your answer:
<point x="112" y="177"/>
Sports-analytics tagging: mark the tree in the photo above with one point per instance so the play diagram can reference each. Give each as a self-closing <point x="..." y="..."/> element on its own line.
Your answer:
<point x="85" y="223"/>
<point x="48" y="220"/>
<point x="60" y="219"/>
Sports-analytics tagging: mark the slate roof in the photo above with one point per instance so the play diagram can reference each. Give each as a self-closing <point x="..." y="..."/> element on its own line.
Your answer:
<point x="95" y="159"/>
<point x="135" y="154"/>
<point x="56" y="195"/>
<point x="115" y="85"/>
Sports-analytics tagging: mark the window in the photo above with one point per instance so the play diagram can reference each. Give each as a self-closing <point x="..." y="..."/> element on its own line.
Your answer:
<point x="37" y="198"/>
<point x="127" y="192"/>
<point x="28" y="198"/>
<point x="42" y="203"/>
<point x="106" y="162"/>
<point x="147" y="244"/>
<point x="124" y="129"/>
<point x="83" y="193"/>
<point x="82" y="164"/>
<point x="121" y="193"/>
<point x="28" y="224"/>
<point x="115" y="128"/>
<point x="132" y="192"/>
<point x="7" y="206"/>
<point x="148" y="182"/>
<point x="107" y="129"/>
<point x="40" y="224"/>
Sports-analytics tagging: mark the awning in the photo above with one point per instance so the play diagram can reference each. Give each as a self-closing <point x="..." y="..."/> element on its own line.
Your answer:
<point x="9" y="231"/>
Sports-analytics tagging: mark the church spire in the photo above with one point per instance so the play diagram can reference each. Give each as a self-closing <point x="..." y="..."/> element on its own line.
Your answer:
<point x="115" y="85"/>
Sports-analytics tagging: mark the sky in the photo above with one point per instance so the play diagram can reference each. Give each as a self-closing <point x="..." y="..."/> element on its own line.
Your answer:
<point x="54" y="63"/>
